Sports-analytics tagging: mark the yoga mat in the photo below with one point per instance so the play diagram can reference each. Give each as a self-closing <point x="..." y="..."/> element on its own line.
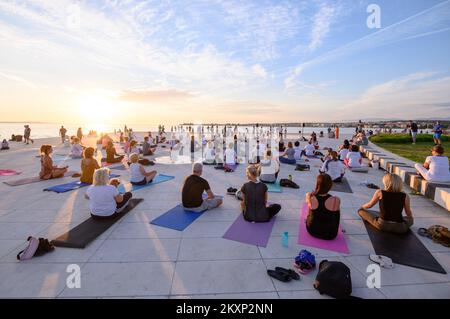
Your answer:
<point x="404" y="249"/>
<point x="177" y="218"/>
<point x="8" y="172"/>
<point x="81" y="235"/>
<point x="120" y="167"/>
<point x="343" y="187"/>
<point x="160" y="178"/>
<point x="304" y="238"/>
<point x="71" y="186"/>
<point x="250" y="233"/>
<point x="34" y="179"/>
<point x="274" y="188"/>
<point x="359" y="169"/>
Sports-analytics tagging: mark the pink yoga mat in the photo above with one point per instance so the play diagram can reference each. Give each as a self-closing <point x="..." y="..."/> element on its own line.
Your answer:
<point x="250" y="233"/>
<point x="304" y="238"/>
<point x="8" y="172"/>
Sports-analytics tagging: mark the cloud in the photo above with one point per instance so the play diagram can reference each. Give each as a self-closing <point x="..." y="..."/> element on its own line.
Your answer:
<point x="146" y="96"/>
<point x="18" y="79"/>
<point x="321" y="25"/>
<point x="259" y="70"/>
<point x="416" y="95"/>
<point x="430" y="21"/>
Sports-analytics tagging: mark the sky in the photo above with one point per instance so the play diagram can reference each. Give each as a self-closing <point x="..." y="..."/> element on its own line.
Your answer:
<point x="202" y="61"/>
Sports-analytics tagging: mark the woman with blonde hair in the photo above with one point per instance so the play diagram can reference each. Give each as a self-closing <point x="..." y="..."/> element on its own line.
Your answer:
<point x="48" y="170"/>
<point x="392" y="201"/>
<point x="104" y="199"/>
<point x="254" y="199"/>
<point x="138" y="174"/>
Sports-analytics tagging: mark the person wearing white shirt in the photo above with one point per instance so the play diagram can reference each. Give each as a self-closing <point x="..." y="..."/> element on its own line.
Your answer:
<point x="230" y="155"/>
<point x="333" y="167"/>
<point x="138" y="174"/>
<point x="309" y="150"/>
<point x="298" y="151"/>
<point x="353" y="158"/>
<point x="436" y="167"/>
<point x="105" y="201"/>
<point x="343" y="154"/>
<point x="209" y="155"/>
<point x="76" y="150"/>
<point x="268" y="168"/>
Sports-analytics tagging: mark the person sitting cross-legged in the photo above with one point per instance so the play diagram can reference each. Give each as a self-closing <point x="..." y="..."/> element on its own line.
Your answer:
<point x="192" y="192"/>
<point x="436" y="167"/>
<point x="392" y="201"/>
<point x="138" y="174"/>
<point x="324" y="210"/>
<point x="254" y="196"/>
<point x="105" y="201"/>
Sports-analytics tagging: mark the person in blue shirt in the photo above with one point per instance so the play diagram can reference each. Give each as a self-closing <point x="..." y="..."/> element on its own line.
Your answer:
<point x="437" y="130"/>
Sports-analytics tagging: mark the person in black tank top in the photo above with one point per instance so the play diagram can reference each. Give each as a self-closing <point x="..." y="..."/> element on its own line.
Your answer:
<point x="392" y="201"/>
<point x="324" y="213"/>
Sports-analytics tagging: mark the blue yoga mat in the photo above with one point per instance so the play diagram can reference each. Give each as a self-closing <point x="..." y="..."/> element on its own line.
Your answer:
<point x="160" y="178"/>
<point x="177" y="218"/>
<point x="274" y="188"/>
<point x="71" y="186"/>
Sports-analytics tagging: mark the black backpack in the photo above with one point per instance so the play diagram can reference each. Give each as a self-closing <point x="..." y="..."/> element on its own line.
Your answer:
<point x="288" y="183"/>
<point x="334" y="279"/>
<point x="302" y="167"/>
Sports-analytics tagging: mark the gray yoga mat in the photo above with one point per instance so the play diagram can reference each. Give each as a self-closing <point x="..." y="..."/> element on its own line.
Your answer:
<point x="81" y="235"/>
<point x="34" y="179"/>
<point x="343" y="187"/>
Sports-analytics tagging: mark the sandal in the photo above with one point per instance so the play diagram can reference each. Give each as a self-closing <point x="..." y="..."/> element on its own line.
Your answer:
<point x="231" y="191"/>
<point x="383" y="261"/>
<point x="423" y="232"/>
<point x="292" y="273"/>
<point x="279" y="275"/>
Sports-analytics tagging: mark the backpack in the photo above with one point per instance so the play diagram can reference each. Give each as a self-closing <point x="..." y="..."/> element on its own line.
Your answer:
<point x="439" y="234"/>
<point x="302" y="167"/>
<point x="288" y="183"/>
<point x="36" y="247"/>
<point x="334" y="279"/>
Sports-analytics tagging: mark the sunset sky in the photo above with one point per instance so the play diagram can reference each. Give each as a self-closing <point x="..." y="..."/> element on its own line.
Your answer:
<point x="153" y="62"/>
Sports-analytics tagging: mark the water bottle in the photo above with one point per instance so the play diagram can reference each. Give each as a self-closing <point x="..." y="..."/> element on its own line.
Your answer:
<point x="290" y="177"/>
<point x="285" y="239"/>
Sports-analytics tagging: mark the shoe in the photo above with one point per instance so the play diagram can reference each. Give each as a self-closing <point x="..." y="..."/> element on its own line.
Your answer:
<point x="281" y="276"/>
<point x="231" y="191"/>
<point x="290" y="272"/>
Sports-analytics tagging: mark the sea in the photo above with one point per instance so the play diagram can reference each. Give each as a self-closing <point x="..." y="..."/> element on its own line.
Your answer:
<point x="47" y="130"/>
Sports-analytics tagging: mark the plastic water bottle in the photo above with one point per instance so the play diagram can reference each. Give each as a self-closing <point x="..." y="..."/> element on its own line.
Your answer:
<point x="285" y="239"/>
<point x="290" y="177"/>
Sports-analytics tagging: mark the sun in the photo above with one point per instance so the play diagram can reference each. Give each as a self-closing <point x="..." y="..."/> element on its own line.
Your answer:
<point x="97" y="112"/>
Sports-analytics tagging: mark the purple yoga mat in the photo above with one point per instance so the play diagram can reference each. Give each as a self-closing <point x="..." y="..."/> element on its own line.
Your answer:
<point x="250" y="233"/>
<point x="304" y="238"/>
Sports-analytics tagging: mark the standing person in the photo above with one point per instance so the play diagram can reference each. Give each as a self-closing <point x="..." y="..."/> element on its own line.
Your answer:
<point x="414" y="128"/>
<point x="27" y="135"/>
<point x="437" y="129"/>
<point x="337" y="132"/>
<point x="254" y="199"/>
<point x="62" y="133"/>
<point x="80" y="134"/>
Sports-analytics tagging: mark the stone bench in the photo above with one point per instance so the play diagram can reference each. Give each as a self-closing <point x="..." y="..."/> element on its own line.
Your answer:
<point x="438" y="192"/>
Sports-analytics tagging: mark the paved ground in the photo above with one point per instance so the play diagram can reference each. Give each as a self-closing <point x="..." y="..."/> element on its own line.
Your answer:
<point x="134" y="259"/>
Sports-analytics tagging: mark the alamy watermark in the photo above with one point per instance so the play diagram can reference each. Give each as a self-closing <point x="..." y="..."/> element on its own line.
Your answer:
<point x="374" y="19"/>
<point x="374" y="278"/>
<point x="74" y="278"/>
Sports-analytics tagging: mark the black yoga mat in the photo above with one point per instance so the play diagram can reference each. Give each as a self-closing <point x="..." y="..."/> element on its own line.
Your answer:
<point x="404" y="249"/>
<point x="90" y="229"/>
<point x="343" y="187"/>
